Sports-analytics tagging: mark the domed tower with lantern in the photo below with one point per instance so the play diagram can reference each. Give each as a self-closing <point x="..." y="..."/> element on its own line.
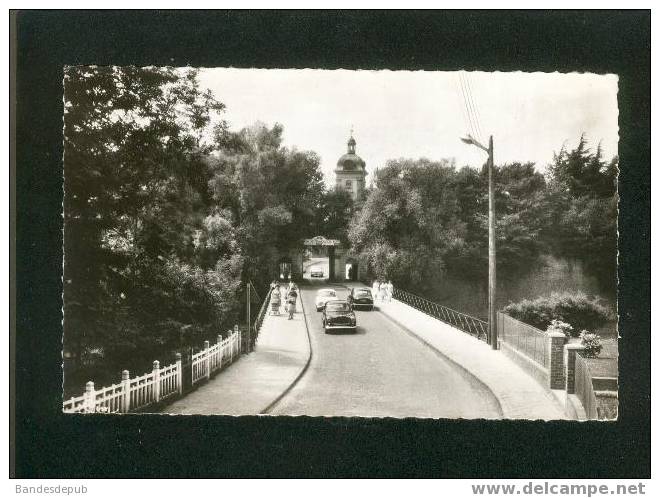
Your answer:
<point x="351" y="172"/>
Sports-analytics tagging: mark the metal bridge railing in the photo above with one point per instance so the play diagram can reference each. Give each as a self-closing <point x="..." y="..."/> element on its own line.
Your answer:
<point x="259" y="320"/>
<point x="466" y="323"/>
<point x="584" y="388"/>
<point x="524" y="338"/>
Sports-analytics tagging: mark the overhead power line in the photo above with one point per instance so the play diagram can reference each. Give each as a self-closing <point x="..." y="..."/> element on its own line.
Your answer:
<point x="475" y="107"/>
<point x="461" y="98"/>
<point x="466" y="104"/>
<point x="471" y="108"/>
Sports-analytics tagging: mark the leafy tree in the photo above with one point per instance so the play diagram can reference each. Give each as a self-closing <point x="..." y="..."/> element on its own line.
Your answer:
<point x="334" y="214"/>
<point x="136" y="198"/>
<point x="582" y="202"/>
<point x="273" y="193"/>
<point x="583" y="173"/>
<point x="426" y="220"/>
<point x="409" y="221"/>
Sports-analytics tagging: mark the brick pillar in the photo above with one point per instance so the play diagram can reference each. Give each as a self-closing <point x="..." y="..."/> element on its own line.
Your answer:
<point x="556" y="341"/>
<point x="571" y="350"/>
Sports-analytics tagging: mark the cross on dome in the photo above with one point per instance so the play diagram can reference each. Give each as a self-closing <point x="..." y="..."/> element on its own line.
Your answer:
<point x="351" y="143"/>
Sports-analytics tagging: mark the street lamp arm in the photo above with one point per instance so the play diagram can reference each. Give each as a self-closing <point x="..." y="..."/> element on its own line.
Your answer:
<point x="473" y="141"/>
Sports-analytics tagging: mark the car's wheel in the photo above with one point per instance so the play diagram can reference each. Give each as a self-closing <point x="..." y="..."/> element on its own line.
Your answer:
<point x="370" y="308"/>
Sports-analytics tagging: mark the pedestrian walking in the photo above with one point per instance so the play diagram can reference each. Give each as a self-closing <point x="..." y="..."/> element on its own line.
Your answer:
<point x="275" y="300"/>
<point x="390" y="290"/>
<point x="292" y="297"/>
<point x="382" y="290"/>
<point x="375" y="287"/>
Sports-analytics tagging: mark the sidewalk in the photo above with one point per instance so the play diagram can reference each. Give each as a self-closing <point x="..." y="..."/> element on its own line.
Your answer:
<point x="520" y="396"/>
<point x="251" y="384"/>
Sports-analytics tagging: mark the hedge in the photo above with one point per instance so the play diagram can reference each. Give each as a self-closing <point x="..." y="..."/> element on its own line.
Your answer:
<point x="576" y="309"/>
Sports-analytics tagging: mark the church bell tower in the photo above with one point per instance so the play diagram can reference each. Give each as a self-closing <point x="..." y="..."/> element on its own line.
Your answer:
<point x="350" y="172"/>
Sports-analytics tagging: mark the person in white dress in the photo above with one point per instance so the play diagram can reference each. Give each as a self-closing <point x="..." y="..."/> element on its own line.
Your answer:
<point x="382" y="291"/>
<point x="375" y="287"/>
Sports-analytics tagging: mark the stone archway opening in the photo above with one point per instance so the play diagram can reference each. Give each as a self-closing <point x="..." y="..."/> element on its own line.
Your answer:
<point x="319" y="259"/>
<point x="284" y="268"/>
<point x="351" y="270"/>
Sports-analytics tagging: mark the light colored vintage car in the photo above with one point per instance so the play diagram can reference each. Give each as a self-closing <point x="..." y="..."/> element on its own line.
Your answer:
<point x="323" y="296"/>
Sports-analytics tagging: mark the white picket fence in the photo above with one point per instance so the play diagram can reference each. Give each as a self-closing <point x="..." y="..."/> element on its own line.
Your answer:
<point x="212" y="358"/>
<point x="157" y="385"/>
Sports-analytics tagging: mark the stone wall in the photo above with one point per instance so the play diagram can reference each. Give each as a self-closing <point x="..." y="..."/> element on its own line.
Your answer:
<point x="342" y="258"/>
<point x="549" y="275"/>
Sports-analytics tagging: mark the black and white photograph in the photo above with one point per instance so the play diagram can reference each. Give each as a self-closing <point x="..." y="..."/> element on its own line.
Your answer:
<point x="329" y="244"/>
<point x="340" y="243"/>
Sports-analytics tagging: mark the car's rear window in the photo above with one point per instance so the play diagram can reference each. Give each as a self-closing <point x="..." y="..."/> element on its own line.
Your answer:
<point x="328" y="293"/>
<point x="337" y="307"/>
<point x="362" y="293"/>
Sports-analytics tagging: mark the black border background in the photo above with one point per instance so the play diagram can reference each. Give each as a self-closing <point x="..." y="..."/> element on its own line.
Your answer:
<point x="48" y="444"/>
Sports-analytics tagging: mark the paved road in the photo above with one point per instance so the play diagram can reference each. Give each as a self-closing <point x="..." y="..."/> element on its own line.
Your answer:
<point x="380" y="371"/>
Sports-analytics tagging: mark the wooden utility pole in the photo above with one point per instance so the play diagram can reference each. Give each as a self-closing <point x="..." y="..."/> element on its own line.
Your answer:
<point x="492" y="262"/>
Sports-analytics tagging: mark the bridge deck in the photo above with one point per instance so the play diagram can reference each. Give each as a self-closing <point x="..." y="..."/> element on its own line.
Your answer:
<point x="520" y="396"/>
<point x="251" y="384"/>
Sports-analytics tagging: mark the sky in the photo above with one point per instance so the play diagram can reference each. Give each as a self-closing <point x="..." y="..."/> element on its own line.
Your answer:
<point x="414" y="114"/>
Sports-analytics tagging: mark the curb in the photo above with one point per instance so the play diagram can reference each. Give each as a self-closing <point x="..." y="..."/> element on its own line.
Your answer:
<point x="301" y="373"/>
<point x="469" y="376"/>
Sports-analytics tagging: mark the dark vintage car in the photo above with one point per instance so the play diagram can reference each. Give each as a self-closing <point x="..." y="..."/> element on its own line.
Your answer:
<point x="338" y="314"/>
<point x="360" y="297"/>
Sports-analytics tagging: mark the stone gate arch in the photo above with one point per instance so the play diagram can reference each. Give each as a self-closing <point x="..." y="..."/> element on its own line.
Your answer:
<point x="333" y="246"/>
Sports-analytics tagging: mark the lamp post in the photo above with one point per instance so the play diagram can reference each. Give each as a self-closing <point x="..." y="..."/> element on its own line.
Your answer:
<point x="492" y="280"/>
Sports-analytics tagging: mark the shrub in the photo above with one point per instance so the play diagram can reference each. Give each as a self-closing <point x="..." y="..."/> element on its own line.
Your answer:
<point x="591" y="343"/>
<point x="575" y="309"/>
<point x="559" y="326"/>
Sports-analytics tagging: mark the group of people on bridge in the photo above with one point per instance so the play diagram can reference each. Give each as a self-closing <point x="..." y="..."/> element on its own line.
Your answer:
<point x="283" y="292"/>
<point x="287" y="294"/>
<point x="382" y="290"/>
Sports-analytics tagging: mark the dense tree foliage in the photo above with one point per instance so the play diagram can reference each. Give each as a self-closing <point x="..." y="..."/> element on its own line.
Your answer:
<point x="270" y="193"/>
<point x="410" y="221"/>
<point x="167" y="214"/>
<point x="582" y="197"/>
<point x="334" y="214"/>
<point x="135" y="202"/>
<point x="425" y="220"/>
